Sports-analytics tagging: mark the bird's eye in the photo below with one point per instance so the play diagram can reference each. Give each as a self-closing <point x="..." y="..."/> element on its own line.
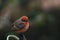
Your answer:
<point x="25" y="20"/>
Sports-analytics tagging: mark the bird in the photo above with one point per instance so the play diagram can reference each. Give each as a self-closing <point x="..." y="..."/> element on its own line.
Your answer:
<point x="21" y="25"/>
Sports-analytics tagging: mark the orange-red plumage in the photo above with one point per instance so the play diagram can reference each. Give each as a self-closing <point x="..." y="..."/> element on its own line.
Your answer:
<point x="24" y="18"/>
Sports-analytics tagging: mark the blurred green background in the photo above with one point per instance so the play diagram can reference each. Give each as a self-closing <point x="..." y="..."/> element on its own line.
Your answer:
<point x="44" y="17"/>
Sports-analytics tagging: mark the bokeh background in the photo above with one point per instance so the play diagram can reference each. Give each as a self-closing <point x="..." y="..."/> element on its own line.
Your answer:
<point x="44" y="17"/>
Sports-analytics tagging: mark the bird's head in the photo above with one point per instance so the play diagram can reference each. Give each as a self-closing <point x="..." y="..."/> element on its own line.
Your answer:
<point x="24" y="18"/>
